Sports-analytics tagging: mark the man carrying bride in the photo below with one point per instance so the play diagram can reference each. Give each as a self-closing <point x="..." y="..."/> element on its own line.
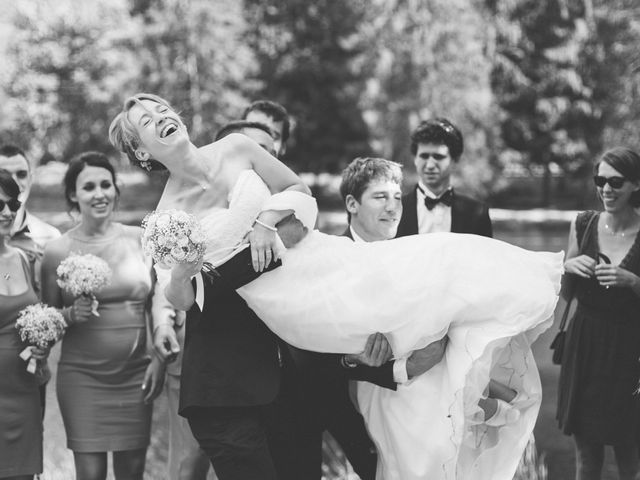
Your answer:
<point x="330" y="294"/>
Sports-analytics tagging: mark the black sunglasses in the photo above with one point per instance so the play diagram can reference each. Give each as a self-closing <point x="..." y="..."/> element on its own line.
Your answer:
<point x="13" y="204"/>
<point x="614" y="182"/>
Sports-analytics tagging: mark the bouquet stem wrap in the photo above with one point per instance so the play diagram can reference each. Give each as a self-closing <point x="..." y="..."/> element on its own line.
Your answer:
<point x="39" y="326"/>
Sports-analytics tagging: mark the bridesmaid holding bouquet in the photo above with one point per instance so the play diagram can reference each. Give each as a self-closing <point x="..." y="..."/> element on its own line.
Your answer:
<point x="21" y="412"/>
<point x="105" y="380"/>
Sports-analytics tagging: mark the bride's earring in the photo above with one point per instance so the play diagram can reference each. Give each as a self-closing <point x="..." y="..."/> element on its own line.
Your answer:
<point x="143" y="158"/>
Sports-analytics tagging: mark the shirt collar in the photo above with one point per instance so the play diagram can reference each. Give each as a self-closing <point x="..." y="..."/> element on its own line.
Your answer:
<point x="356" y="237"/>
<point x="426" y="192"/>
<point x="23" y="227"/>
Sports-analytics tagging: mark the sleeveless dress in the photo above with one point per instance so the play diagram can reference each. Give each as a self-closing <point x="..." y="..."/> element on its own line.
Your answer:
<point x="20" y="410"/>
<point x="492" y="299"/>
<point x="600" y="368"/>
<point x="103" y="360"/>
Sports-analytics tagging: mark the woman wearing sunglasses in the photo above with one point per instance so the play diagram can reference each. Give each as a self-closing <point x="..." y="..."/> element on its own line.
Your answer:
<point x="600" y="367"/>
<point x="21" y="413"/>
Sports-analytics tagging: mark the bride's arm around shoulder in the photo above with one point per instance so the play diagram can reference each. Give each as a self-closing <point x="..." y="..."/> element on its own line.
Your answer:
<point x="274" y="173"/>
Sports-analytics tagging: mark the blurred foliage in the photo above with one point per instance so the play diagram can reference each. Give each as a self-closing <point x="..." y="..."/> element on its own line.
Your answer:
<point x="426" y="59"/>
<point x="193" y="53"/>
<point x="538" y="87"/>
<point x="564" y="76"/>
<point x="308" y="54"/>
<point x="63" y="74"/>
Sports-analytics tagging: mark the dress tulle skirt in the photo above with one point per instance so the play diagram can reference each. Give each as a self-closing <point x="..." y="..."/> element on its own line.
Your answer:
<point x="491" y="298"/>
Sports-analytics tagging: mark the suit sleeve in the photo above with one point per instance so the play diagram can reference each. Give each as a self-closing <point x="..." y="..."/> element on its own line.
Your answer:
<point x="330" y="365"/>
<point x="484" y="227"/>
<point x="381" y="376"/>
<point x="236" y="272"/>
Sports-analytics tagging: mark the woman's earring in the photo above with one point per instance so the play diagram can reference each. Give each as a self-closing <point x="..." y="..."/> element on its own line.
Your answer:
<point x="146" y="165"/>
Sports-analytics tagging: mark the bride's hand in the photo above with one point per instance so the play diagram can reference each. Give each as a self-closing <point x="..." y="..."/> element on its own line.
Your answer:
<point x="185" y="271"/>
<point x="263" y="241"/>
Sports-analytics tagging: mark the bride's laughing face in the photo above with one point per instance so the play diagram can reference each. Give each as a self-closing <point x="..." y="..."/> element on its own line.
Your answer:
<point x="159" y="128"/>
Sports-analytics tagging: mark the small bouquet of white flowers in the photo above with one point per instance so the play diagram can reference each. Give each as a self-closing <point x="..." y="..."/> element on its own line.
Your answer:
<point x="84" y="275"/>
<point x="39" y="326"/>
<point x="171" y="237"/>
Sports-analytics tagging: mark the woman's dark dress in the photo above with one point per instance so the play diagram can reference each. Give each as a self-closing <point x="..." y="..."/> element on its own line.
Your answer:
<point x="600" y="366"/>
<point x="20" y="410"/>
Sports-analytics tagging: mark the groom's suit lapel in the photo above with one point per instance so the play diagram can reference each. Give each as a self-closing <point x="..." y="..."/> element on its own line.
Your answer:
<point x="409" y="220"/>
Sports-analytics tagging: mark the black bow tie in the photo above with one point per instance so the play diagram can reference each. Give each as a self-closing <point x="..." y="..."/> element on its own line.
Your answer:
<point x="446" y="198"/>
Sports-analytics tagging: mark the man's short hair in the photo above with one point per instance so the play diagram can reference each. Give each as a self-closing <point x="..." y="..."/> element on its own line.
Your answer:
<point x="13" y="150"/>
<point x="273" y="110"/>
<point x="439" y="131"/>
<point x="364" y="170"/>
<point x="238" y="125"/>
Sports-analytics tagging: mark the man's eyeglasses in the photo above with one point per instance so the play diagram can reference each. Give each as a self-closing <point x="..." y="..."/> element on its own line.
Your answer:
<point x="614" y="182"/>
<point x="435" y="156"/>
<point x="13" y="204"/>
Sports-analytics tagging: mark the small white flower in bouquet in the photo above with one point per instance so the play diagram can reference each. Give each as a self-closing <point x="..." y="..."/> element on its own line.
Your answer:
<point x="171" y="237"/>
<point x="84" y="275"/>
<point x="39" y="326"/>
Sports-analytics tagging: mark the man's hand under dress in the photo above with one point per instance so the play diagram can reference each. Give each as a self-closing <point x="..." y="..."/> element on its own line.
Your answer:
<point x="421" y="361"/>
<point x="377" y="351"/>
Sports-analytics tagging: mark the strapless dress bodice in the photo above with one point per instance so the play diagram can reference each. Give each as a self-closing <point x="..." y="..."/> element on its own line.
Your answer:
<point x="226" y="229"/>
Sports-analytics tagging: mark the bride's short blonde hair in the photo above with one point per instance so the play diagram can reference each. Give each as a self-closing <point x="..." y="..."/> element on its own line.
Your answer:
<point x="123" y="134"/>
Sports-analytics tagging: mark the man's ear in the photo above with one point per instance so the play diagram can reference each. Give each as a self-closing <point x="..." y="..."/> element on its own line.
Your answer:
<point x="351" y="204"/>
<point x="142" y="156"/>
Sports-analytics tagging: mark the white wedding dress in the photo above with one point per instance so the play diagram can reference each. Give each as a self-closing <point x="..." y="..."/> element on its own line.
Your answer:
<point x="491" y="298"/>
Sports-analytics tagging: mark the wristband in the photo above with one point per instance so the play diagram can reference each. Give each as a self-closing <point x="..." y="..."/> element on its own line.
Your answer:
<point x="268" y="227"/>
<point x="346" y="363"/>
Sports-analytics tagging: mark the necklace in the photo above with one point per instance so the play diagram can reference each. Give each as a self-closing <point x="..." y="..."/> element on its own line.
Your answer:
<point x="6" y="276"/>
<point x="611" y="232"/>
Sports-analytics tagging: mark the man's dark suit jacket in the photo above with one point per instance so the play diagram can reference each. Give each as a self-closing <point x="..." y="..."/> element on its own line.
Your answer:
<point x="317" y="389"/>
<point x="230" y="356"/>
<point x="467" y="216"/>
<point x="323" y="403"/>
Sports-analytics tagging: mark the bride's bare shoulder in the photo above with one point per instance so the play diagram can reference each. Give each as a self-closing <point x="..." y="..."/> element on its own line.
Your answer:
<point x="233" y="145"/>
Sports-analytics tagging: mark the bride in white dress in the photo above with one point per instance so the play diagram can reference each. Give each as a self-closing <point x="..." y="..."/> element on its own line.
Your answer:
<point x="492" y="299"/>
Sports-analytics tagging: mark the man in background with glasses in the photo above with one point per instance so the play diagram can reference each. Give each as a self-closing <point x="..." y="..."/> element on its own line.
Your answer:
<point x="29" y="232"/>
<point x="432" y="205"/>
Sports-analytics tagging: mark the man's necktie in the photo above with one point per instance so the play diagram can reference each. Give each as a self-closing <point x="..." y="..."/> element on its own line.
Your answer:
<point x="446" y="198"/>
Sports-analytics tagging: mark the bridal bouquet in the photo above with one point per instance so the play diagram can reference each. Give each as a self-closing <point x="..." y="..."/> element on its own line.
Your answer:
<point x="171" y="237"/>
<point x="39" y="326"/>
<point x="84" y="275"/>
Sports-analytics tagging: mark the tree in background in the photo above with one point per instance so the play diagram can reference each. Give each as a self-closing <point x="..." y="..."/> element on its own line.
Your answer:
<point x="428" y="59"/>
<point x="306" y="55"/>
<point x="561" y="76"/>
<point x="63" y="73"/>
<point x="193" y="53"/>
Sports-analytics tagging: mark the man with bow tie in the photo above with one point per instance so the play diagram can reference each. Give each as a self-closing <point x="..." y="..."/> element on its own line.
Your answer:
<point x="433" y="206"/>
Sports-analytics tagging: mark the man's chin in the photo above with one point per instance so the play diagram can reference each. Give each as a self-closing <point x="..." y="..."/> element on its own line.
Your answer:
<point x="388" y="233"/>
